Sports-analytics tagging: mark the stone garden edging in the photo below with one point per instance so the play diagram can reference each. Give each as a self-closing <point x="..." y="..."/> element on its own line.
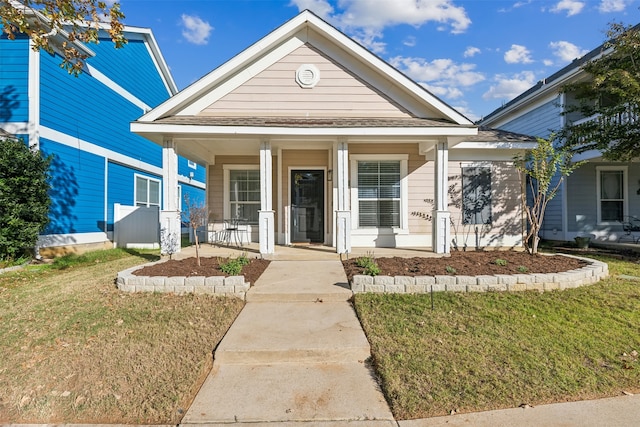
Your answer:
<point x="234" y="286"/>
<point x="587" y="275"/>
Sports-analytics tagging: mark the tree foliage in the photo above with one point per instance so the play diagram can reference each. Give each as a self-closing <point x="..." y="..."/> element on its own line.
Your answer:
<point x="545" y="166"/>
<point x="24" y="197"/>
<point x="61" y="24"/>
<point x="610" y="94"/>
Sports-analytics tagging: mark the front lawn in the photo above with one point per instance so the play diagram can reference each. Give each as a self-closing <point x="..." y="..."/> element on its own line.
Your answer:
<point x="75" y="349"/>
<point x="476" y="352"/>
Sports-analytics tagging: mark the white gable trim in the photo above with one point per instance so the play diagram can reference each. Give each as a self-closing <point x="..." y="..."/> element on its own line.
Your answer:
<point x="305" y="20"/>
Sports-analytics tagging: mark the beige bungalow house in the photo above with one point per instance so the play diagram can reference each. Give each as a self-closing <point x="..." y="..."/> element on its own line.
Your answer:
<point x="314" y="139"/>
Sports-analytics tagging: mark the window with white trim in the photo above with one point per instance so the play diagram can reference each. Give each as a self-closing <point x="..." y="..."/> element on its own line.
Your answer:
<point x="611" y="191"/>
<point x="378" y="194"/>
<point x="147" y="191"/>
<point x="242" y="192"/>
<point x="476" y="195"/>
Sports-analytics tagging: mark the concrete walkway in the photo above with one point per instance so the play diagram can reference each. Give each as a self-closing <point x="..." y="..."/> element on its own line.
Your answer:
<point x="296" y="354"/>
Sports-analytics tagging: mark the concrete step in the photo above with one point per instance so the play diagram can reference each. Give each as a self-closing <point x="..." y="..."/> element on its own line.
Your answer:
<point x="269" y="332"/>
<point x="296" y="281"/>
<point x="335" y="394"/>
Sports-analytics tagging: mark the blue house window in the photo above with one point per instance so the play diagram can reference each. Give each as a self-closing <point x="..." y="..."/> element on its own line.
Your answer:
<point x="147" y="191"/>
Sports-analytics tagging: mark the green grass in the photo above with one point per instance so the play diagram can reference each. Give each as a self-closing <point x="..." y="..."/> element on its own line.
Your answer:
<point x="76" y="350"/>
<point x="478" y="352"/>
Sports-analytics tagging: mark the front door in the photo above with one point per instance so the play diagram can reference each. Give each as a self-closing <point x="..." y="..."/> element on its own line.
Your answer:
<point x="307" y="206"/>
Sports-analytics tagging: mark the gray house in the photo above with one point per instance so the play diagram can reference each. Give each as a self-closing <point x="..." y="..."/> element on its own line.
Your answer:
<point x="598" y="197"/>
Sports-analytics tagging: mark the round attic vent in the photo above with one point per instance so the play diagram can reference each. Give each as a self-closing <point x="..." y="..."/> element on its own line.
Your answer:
<point x="307" y="76"/>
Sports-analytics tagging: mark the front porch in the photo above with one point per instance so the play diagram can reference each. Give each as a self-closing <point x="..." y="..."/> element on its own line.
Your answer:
<point x="302" y="252"/>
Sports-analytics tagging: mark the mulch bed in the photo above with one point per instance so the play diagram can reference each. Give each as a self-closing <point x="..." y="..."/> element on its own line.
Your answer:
<point x="473" y="263"/>
<point x="209" y="266"/>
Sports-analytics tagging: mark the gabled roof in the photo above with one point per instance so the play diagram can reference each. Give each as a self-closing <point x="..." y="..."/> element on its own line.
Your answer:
<point x="61" y="36"/>
<point x="549" y="84"/>
<point x="157" y="56"/>
<point x="283" y="40"/>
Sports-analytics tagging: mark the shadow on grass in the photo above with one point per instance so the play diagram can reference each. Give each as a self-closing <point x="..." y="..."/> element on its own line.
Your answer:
<point x="149" y="256"/>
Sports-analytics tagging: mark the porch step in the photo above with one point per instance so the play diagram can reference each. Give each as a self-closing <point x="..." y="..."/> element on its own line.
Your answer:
<point x="301" y="281"/>
<point x="294" y="332"/>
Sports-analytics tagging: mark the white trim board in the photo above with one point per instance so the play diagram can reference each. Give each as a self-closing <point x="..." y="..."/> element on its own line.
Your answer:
<point x="51" y="240"/>
<point x="99" y="76"/>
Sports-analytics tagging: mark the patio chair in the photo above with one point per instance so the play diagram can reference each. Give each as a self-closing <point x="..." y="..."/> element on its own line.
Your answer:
<point x="631" y="227"/>
<point x="234" y="230"/>
<point x="215" y="232"/>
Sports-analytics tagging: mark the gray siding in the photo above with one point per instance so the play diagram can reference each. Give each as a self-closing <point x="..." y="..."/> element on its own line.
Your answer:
<point x="583" y="202"/>
<point x="539" y="122"/>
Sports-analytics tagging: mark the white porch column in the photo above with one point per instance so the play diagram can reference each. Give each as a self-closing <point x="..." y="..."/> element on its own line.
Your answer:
<point x="441" y="215"/>
<point x="170" y="213"/>
<point x="266" y="226"/>
<point x="343" y="209"/>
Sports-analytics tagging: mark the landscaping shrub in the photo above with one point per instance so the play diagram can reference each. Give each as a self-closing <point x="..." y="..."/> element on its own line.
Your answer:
<point x="24" y="197"/>
<point x="369" y="264"/>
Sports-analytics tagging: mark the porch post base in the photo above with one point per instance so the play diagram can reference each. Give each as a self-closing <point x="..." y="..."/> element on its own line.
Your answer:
<point x="441" y="230"/>
<point x="266" y="231"/>
<point x="170" y="232"/>
<point x="343" y="231"/>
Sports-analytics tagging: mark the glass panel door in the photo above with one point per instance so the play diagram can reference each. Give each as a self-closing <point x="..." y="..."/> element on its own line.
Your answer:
<point x="307" y="206"/>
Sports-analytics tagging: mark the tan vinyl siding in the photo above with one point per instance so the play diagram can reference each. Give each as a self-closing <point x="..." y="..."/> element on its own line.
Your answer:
<point x="274" y="92"/>
<point x="506" y="210"/>
<point x="420" y="176"/>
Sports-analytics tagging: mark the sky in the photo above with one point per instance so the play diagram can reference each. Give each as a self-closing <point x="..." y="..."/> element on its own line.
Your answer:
<point x="475" y="55"/>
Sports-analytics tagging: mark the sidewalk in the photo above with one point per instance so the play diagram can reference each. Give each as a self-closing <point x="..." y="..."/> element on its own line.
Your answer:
<point x="295" y="354"/>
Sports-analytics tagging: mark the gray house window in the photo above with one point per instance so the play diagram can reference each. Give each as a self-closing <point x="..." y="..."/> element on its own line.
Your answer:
<point x="476" y="195"/>
<point x="611" y="195"/>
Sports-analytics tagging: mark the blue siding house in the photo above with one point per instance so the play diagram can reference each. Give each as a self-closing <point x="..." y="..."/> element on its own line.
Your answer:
<point x="83" y="123"/>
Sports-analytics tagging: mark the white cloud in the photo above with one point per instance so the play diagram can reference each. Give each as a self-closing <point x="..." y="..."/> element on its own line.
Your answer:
<point x="547" y="62"/>
<point x="195" y="30"/>
<point x="607" y="6"/>
<point x="464" y="109"/>
<point x="572" y="7"/>
<point x="566" y="51"/>
<point x="443" y="77"/>
<point x="508" y="87"/>
<point x="471" y="52"/>
<point x="322" y="8"/>
<point x="366" y="19"/>
<point x="518" y="54"/>
<point x="409" y="41"/>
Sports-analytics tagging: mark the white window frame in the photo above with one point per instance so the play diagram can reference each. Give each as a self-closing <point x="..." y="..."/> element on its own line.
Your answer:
<point x="192" y="164"/>
<point x="625" y="192"/>
<point x="135" y="190"/>
<point x="226" y="210"/>
<point x="404" y="192"/>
